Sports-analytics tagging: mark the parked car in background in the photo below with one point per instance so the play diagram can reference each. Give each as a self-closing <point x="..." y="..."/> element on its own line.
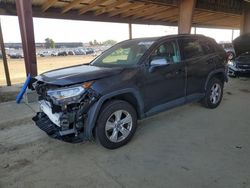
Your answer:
<point x="45" y="53"/>
<point x="62" y="53"/>
<point x="54" y="53"/>
<point x="79" y="52"/>
<point x="229" y="48"/>
<point x="15" y="55"/>
<point x="132" y="80"/>
<point x="89" y="51"/>
<point x="240" y="65"/>
<point x="71" y="52"/>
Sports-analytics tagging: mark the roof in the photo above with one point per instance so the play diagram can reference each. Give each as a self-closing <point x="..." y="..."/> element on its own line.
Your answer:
<point x="207" y="13"/>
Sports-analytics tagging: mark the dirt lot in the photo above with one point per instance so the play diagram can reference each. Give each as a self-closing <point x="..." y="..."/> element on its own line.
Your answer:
<point x="189" y="147"/>
<point x="17" y="67"/>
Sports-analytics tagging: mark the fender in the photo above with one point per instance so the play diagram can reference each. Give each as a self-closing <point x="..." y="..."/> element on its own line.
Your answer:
<point x="95" y="109"/>
<point x="210" y="75"/>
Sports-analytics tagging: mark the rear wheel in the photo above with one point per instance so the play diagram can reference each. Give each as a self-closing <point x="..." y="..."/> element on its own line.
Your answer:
<point x="116" y="124"/>
<point x="214" y="93"/>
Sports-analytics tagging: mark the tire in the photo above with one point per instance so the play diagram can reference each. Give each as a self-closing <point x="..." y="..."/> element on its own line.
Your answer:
<point x="111" y="133"/>
<point x="212" y="98"/>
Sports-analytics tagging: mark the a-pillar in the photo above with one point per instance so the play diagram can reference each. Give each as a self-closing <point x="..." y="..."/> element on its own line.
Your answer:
<point x="186" y="9"/>
<point x="24" y="13"/>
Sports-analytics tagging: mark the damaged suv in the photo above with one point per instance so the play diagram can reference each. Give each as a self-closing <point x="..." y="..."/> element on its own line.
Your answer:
<point x="130" y="81"/>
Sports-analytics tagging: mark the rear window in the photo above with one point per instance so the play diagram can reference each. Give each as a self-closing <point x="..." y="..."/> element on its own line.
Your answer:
<point x="191" y="48"/>
<point x="207" y="47"/>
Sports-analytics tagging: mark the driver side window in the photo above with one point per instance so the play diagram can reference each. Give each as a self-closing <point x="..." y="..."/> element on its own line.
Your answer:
<point x="167" y="51"/>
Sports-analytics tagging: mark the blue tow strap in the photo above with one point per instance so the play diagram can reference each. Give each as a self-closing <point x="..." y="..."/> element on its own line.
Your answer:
<point x="21" y="93"/>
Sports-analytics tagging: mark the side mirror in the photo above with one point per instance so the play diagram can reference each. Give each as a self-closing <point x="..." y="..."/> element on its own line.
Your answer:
<point x="157" y="63"/>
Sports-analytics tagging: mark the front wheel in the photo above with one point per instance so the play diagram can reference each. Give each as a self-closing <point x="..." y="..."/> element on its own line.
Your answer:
<point x="116" y="124"/>
<point x="214" y="93"/>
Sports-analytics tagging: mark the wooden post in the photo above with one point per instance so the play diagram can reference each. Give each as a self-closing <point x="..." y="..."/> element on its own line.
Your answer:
<point x="186" y="9"/>
<point x="24" y="13"/>
<point x="245" y="19"/>
<point x="5" y="63"/>
<point x="130" y="31"/>
<point x="232" y="35"/>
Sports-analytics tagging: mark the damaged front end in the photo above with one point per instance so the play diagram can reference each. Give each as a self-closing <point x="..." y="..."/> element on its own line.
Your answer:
<point x="64" y="110"/>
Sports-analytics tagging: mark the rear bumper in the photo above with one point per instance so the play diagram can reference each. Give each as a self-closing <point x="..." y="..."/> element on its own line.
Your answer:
<point x="44" y="123"/>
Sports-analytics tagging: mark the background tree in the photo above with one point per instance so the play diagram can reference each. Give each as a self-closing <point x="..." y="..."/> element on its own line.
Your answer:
<point x="49" y="43"/>
<point x="90" y="43"/>
<point x="109" y="42"/>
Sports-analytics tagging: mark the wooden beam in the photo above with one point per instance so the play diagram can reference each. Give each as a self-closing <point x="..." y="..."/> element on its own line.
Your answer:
<point x="110" y="7"/>
<point x="135" y="11"/>
<point x="186" y="9"/>
<point x="48" y="4"/>
<point x="71" y="5"/>
<point x="124" y="9"/>
<point x="24" y="13"/>
<point x="155" y="9"/>
<point x="90" y="6"/>
<point x="5" y="63"/>
<point x="163" y="13"/>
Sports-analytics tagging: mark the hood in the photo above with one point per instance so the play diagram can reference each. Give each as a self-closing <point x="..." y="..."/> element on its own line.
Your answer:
<point x="76" y="74"/>
<point x="242" y="44"/>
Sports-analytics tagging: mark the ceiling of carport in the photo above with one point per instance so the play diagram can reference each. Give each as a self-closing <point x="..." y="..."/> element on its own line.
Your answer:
<point x="207" y="13"/>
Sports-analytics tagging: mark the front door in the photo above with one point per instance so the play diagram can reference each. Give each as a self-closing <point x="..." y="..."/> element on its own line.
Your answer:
<point x="165" y="82"/>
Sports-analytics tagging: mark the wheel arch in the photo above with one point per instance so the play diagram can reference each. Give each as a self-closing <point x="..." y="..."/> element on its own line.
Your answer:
<point x="220" y="74"/>
<point x="129" y="95"/>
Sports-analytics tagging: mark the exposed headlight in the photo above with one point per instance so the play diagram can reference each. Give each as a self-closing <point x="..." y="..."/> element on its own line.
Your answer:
<point x="232" y="63"/>
<point x="64" y="94"/>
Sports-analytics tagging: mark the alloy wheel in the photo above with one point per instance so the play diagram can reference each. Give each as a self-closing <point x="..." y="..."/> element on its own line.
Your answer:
<point x="215" y="93"/>
<point x="118" y="126"/>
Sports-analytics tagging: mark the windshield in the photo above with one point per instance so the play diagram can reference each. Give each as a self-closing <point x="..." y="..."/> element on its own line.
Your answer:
<point x="226" y="45"/>
<point x="127" y="53"/>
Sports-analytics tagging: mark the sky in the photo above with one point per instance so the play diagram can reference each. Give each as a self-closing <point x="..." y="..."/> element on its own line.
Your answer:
<point x="85" y="31"/>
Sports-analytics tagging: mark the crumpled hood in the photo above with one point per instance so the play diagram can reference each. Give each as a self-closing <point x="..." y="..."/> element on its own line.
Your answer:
<point x="242" y="44"/>
<point x="76" y="74"/>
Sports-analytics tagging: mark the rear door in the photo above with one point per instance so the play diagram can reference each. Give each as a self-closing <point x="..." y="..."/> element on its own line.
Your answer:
<point x="199" y="60"/>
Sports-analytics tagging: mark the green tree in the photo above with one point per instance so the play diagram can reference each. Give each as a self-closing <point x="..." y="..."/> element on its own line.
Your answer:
<point x="49" y="43"/>
<point x="95" y="42"/>
<point x="109" y="42"/>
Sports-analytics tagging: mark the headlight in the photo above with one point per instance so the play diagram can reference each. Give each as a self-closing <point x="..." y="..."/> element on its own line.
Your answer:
<point x="232" y="63"/>
<point x="64" y="94"/>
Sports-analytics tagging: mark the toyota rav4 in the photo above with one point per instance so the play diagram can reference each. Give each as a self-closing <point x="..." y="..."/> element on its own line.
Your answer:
<point x="130" y="81"/>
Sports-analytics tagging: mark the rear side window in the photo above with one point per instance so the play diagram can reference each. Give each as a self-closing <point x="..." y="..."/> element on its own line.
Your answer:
<point x="207" y="47"/>
<point x="191" y="48"/>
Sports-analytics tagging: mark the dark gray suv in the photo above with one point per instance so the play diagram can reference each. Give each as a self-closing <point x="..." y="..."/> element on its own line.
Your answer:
<point x="132" y="80"/>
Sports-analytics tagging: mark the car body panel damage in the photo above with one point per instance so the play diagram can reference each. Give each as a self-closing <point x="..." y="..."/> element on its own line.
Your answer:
<point x="240" y="65"/>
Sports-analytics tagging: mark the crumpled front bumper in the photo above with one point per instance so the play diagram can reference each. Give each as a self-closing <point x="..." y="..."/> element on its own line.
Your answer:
<point x="233" y="71"/>
<point x="45" y="124"/>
